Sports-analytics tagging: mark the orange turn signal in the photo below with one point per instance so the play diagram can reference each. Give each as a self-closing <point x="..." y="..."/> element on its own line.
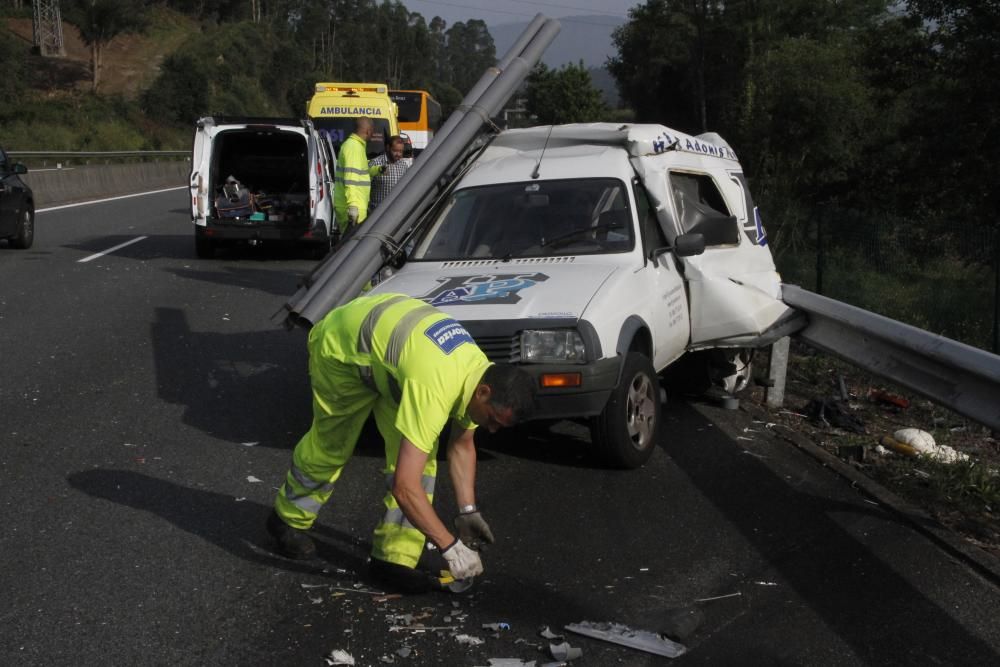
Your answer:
<point x="562" y="380"/>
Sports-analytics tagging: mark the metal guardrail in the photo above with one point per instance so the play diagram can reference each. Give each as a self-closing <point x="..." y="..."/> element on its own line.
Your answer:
<point x="955" y="375"/>
<point x="104" y="154"/>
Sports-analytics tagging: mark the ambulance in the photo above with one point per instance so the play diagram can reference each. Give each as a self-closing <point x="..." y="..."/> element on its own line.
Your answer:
<point x="604" y="259"/>
<point x="335" y="106"/>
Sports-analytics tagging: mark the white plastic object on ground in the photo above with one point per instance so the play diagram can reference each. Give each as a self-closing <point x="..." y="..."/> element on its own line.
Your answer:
<point x="564" y="652"/>
<point x="617" y="633"/>
<point x="338" y="657"/>
<point x="923" y="442"/>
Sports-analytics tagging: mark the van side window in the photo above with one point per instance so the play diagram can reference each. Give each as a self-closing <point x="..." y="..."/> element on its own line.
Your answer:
<point x="702" y="209"/>
<point x="649" y="226"/>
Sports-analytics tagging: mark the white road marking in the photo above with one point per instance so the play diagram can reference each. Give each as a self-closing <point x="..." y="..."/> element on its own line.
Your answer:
<point x="101" y="201"/>
<point x="110" y="250"/>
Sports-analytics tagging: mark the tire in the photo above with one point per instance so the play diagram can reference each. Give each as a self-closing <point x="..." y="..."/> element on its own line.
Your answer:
<point x="25" y="234"/>
<point x="625" y="432"/>
<point x="204" y="248"/>
<point x="733" y="370"/>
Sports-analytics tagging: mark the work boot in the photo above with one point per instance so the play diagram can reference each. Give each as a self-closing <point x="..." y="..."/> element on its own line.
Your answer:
<point x="291" y="542"/>
<point x="395" y="578"/>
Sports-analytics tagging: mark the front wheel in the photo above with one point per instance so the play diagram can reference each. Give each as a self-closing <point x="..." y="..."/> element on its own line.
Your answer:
<point x="625" y="431"/>
<point x="25" y="235"/>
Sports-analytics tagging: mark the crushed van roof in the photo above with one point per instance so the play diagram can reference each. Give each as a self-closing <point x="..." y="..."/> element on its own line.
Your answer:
<point x="638" y="139"/>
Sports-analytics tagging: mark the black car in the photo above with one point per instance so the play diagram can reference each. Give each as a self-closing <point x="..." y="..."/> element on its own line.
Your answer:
<point x="17" y="204"/>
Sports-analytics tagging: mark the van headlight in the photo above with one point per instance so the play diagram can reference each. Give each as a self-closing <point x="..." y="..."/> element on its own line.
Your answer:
<point x="552" y="345"/>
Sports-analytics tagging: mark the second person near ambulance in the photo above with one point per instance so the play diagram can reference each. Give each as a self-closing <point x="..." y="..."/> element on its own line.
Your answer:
<point x="394" y="166"/>
<point x="416" y="369"/>
<point x="352" y="188"/>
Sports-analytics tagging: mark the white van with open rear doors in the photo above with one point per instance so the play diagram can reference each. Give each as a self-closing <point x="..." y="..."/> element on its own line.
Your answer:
<point x="260" y="180"/>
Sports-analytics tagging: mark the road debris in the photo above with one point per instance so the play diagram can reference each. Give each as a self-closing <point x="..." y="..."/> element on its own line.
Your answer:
<point x="510" y="662"/>
<point x="923" y="444"/>
<point x="469" y="640"/>
<point x="548" y="634"/>
<point x="496" y="627"/>
<point x="563" y="652"/>
<point x="253" y="480"/>
<point x="720" y="597"/>
<point x="830" y="413"/>
<point x="423" y="628"/>
<point x="338" y="657"/>
<point x="617" y="633"/>
<point x="885" y="398"/>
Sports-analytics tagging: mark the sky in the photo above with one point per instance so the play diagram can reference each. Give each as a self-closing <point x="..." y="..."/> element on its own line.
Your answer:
<point x="495" y="12"/>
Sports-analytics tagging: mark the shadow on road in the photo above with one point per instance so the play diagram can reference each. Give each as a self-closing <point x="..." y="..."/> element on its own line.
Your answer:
<point x="870" y="604"/>
<point x="238" y="387"/>
<point x="237" y="527"/>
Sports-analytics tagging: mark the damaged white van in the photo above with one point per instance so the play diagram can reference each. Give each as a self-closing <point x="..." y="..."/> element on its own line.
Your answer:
<point x="259" y="180"/>
<point x="596" y="256"/>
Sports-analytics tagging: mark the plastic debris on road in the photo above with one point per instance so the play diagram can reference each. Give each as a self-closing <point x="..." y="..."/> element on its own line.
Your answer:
<point x="509" y="662"/>
<point x="496" y="627"/>
<point x="253" y="480"/>
<point x="469" y="640"/>
<point x="338" y="657"/>
<point x="617" y="633"/>
<point x="548" y="634"/>
<point x="565" y="652"/>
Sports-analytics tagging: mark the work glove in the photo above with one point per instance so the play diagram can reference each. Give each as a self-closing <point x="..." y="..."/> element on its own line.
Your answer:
<point x="352" y="215"/>
<point x="463" y="562"/>
<point x="473" y="529"/>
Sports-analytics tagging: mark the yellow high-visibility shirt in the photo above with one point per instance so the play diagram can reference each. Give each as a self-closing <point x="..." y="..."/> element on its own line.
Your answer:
<point x="412" y="354"/>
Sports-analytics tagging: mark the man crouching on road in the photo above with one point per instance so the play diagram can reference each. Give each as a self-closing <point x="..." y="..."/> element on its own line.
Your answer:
<point x="415" y="367"/>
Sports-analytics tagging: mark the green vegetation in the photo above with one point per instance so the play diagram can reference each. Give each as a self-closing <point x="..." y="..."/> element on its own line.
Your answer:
<point x="845" y="112"/>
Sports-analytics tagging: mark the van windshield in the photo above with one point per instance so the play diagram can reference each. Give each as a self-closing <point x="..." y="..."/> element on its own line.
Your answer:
<point x="581" y="216"/>
<point x="337" y="130"/>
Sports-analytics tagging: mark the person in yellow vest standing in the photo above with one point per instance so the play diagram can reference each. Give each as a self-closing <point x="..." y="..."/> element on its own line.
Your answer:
<point x="417" y="369"/>
<point x="353" y="183"/>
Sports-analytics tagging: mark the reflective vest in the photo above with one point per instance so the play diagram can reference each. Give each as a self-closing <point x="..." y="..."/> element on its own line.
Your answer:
<point x="353" y="183"/>
<point x="411" y="353"/>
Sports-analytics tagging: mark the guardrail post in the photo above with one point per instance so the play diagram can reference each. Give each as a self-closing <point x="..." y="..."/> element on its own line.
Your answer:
<point x="775" y="396"/>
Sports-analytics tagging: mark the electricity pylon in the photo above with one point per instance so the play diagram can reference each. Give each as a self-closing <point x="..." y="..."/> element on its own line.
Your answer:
<point x="46" y="28"/>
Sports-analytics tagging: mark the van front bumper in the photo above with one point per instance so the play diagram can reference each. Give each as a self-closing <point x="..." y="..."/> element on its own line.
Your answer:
<point x="597" y="380"/>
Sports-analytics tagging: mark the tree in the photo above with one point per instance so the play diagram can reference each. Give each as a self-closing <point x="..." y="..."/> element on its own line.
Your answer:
<point x="99" y="22"/>
<point x="566" y="95"/>
<point x="469" y="52"/>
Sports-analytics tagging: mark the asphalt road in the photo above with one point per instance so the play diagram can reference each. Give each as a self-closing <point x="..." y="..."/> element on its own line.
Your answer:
<point x="148" y="407"/>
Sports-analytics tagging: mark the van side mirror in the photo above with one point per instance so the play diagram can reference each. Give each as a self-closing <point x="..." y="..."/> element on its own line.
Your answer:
<point x="688" y="245"/>
<point x="685" y="245"/>
<point x="20" y="168"/>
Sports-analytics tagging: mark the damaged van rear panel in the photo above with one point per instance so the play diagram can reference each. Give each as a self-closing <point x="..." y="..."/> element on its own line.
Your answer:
<point x="260" y="180"/>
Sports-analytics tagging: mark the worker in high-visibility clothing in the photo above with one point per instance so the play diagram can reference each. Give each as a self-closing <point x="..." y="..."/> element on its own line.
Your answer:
<point x="415" y="368"/>
<point x="353" y="183"/>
